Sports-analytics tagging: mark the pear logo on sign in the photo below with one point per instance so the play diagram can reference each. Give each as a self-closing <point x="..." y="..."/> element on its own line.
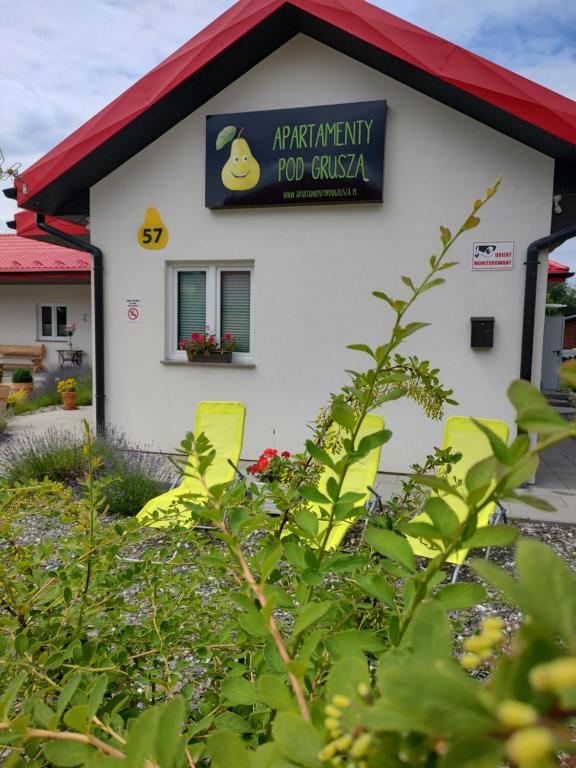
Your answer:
<point x="241" y="171"/>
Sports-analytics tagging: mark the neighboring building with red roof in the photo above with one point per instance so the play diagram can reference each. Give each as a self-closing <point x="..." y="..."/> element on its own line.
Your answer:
<point x="44" y="287"/>
<point x="291" y="158"/>
<point x="558" y="273"/>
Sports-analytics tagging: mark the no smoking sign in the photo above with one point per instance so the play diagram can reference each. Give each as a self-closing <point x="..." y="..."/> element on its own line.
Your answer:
<point x="132" y="313"/>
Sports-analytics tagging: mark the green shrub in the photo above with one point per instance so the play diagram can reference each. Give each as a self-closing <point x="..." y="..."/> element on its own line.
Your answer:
<point x="22" y="376"/>
<point x="272" y="650"/>
<point x="129" y="477"/>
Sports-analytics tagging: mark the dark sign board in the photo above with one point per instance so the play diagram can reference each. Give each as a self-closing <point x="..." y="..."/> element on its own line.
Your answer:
<point x="330" y="154"/>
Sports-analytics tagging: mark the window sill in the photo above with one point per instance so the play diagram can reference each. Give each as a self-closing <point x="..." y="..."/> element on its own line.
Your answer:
<point x="233" y="364"/>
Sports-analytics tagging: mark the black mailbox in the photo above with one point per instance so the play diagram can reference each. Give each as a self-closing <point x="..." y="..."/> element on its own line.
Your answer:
<point x="482" y="332"/>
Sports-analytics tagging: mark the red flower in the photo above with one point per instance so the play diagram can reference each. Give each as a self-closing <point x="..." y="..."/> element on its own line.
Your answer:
<point x="270" y="452"/>
<point x="262" y="464"/>
<point x="252" y="469"/>
<point x="285" y="454"/>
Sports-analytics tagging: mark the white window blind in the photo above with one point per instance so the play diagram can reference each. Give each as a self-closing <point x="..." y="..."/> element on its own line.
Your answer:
<point x="191" y="303"/>
<point x="235" y="307"/>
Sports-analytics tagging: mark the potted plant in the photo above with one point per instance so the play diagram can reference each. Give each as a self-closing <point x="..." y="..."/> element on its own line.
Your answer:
<point x="70" y="329"/>
<point x="204" y="348"/>
<point x="274" y="474"/>
<point x="22" y="381"/>
<point x="67" y="389"/>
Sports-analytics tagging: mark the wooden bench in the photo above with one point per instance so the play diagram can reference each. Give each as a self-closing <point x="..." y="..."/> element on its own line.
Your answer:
<point x="4" y="392"/>
<point x="22" y="356"/>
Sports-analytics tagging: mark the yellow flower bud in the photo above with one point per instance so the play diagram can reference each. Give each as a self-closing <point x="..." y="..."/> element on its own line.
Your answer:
<point x="493" y="636"/>
<point x="470" y="661"/>
<point x="332" y="711"/>
<point x="539" y="677"/>
<point x="493" y="622"/>
<point x="529" y="745"/>
<point x="516" y="714"/>
<point x="343" y="743"/>
<point x="331" y="724"/>
<point x="477" y="644"/>
<point x="341" y="701"/>
<point x="562" y="674"/>
<point x="361" y="745"/>
<point x="327" y="752"/>
<point x="363" y="690"/>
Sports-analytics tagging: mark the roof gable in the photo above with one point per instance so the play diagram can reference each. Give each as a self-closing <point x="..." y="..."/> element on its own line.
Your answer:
<point x="249" y="31"/>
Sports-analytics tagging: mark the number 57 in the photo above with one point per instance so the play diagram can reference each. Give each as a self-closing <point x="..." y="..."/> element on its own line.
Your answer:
<point x="147" y="234"/>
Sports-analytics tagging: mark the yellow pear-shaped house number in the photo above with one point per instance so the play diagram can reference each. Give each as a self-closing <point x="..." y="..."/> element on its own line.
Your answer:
<point x="153" y="234"/>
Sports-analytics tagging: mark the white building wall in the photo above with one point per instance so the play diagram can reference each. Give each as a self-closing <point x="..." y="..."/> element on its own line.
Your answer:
<point x="19" y="309"/>
<point x="315" y="267"/>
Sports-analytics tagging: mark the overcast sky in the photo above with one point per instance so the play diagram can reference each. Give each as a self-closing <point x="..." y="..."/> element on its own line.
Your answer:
<point x="60" y="62"/>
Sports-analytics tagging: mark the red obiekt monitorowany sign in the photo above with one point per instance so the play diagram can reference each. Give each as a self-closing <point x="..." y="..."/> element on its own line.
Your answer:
<point x="493" y="255"/>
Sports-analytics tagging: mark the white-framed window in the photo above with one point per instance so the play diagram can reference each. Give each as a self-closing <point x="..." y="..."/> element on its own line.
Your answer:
<point x="52" y="319"/>
<point x="213" y="298"/>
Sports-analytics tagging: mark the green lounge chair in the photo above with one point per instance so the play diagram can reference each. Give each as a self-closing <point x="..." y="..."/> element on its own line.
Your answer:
<point x="463" y="436"/>
<point x="360" y="479"/>
<point x="223" y="425"/>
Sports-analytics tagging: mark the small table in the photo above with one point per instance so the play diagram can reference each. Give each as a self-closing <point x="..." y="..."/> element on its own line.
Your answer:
<point x="72" y="356"/>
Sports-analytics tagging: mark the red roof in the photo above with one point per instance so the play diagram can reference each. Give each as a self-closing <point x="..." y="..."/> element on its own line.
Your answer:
<point x="18" y="255"/>
<point x="558" y="273"/>
<point x="248" y="32"/>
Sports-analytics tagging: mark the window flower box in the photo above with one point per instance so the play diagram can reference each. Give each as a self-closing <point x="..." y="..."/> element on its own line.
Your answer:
<point x="203" y="348"/>
<point x="209" y="357"/>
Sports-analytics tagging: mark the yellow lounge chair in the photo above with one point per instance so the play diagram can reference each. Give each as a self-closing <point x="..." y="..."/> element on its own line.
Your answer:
<point x="223" y="425"/>
<point x="463" y="436"/>
<point x="359" y="479"/>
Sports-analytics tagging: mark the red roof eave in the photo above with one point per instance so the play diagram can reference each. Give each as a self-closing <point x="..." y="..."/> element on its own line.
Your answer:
<point x="473" y="74"/>
<point x="26" y="226"/>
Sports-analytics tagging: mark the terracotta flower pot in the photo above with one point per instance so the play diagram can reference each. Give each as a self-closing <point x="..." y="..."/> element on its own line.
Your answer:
<point x="69" y="400"/>
<point x="23" y="386"/>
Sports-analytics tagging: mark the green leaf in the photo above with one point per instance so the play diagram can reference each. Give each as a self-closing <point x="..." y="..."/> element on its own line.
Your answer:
<point x="354" y="642"/>
<point x="311" y="493"/>
<point x="343" y="563"/>
<point x="533" y="501"/>
<point x="227" y="750"/>
<point x="344" y="415"/>
<point x="479" y="752"/>
<point x="420" y="530"/>
<point x="493" y="536"/>
<point x="377" y="587"/>
<point x="407" y="281"/>
<point x="549" y="589"/>
<point x="225" y="136"/>
<point x="230" y="721"/>
<point x="298" y="740"/>
<point x="375" y="440"/>
<point x="384" y="297"/>
<point x="411" y="328"/>
<point x="67" y="754"/>
<point x="457" y="596"/>
<point x="429" y="633"/>
<point x="274" y="692"/>
<point x="169" y="742"/>
<point x="319" y="454"/>
<point x="567" y="373"/>
<point x="442" y="515"/>
<point x="391" y="545"/>
<point x="272" y="557"/>
<point x="310" y="614"/>
<point x="238" y="691"/>
<point x="534" y="413"/>
<point x="361" y="348"/>
<point x="499" y="447"/>
<point x="436" y="483"/>
<point x="471" y="222"/>
<point x="77" y="718"/>
<point x="445" y="235"/>
<point x="307" y="520"/>
<point x="67" y="692"/>
<point x="499" y="579"/>
<point x="252" y="624"/>
<point x="345" y="676"/>
<point x="96" y="695"/>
